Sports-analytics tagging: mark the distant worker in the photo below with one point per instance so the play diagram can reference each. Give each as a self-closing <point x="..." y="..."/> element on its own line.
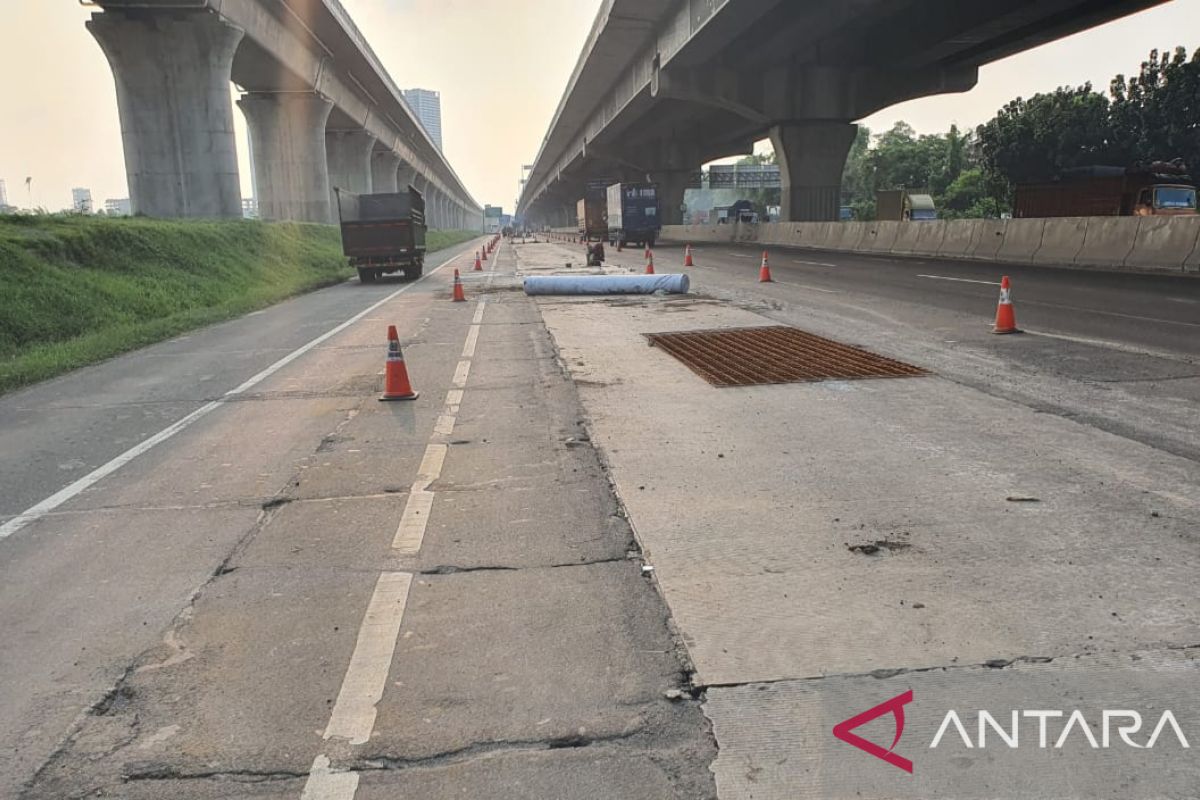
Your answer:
<point x="596" y="254"/>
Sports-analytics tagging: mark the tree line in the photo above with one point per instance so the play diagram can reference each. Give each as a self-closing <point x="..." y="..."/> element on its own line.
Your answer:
<point x="1151" y="116"/>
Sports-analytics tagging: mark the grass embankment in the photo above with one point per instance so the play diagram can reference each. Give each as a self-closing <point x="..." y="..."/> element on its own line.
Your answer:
<point x="76" y="290"/>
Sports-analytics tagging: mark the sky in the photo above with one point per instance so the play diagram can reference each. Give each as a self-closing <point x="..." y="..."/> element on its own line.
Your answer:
<point x="501" y="68"/>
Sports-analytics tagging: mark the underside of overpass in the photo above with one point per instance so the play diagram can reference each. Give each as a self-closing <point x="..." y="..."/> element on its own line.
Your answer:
<point x="322" y="112"/>
<point x="663" y="87"/>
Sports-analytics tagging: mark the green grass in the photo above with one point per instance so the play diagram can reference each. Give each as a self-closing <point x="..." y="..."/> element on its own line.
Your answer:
<point x="75" y="290"/>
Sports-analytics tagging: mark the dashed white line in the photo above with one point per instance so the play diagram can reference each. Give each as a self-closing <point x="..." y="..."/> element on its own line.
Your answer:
<point x="353" y="716"/>
<point x="461" y="372"/>
<point x="472" y="339"/>
<point x="813" y="263"/>
<point x="39" y="510"/>
<point x="959" y="280"/>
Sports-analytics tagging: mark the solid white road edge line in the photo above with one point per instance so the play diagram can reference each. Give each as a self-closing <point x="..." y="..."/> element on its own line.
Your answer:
<point x="959" y="280"/>
<point x="36" y="512"/>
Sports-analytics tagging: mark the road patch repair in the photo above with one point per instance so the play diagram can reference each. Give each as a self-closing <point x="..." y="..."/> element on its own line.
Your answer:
<point x="827" y="547"/>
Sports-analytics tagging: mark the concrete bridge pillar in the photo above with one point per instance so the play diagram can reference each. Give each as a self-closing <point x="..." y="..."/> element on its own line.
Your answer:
<point x="287" y="134"/>
<point x="348" y="154"/>
<point x="384" y="164"/>
<point x="172" y="76"/>
<point x="671" y="187"/>
<point x="812" y="156"/>
<point x="406" y="175"/>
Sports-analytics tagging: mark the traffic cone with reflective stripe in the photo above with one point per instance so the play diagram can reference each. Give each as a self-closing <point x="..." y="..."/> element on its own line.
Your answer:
<point x="459" y="297"/>
<point x="649" y="262"/>
<point x="687" y="257"/>
<point x="395" y="381"/>
<point x="764" y="272"/>
<point x="1006" y="318"/>
<point x="478" y="262"/>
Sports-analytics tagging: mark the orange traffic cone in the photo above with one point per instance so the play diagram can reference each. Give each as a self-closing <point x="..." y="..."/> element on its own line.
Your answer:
<point x="395" y="382"/>
<point x="764" y="272"/>
<point x="687" y="257"/>
<point x="1006" y="319"/>
<point x="478" y="262"/>
<point x="649" y="262"/>
<point x="647" y="253"/>
<point x="459" y="297"/>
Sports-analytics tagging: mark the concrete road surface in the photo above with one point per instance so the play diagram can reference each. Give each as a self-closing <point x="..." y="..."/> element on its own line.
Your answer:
<point x="306" y="592"/>
<point x="1015" y="534"/>
<point x="572" y="568"/>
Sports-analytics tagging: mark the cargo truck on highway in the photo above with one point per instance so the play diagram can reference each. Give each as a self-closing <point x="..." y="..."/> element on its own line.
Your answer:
<point x="592" y="211"/>
<point x="633" y="214"/>
<point x="383" y="233"/>
<point x="1157" y="189"/>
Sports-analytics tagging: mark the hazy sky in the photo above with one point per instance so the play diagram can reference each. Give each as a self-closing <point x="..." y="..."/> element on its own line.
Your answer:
<point x="500" y="67"/>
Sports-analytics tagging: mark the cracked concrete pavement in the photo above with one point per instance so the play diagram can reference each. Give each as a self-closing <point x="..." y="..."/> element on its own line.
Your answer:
<point x="824" y="547"/>
<point x="534" y="658"/>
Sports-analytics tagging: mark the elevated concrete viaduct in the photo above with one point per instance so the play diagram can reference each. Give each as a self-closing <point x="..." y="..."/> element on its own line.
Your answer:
<point x="663" y="86"/>
<point x="322" y="111"/>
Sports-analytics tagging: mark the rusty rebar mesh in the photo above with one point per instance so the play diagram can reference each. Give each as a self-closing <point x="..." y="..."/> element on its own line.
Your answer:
<point x="775" y="354"/>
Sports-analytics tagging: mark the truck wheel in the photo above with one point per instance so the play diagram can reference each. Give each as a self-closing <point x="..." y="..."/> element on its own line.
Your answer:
<point x="367" y="275"/>
<point x="412" y="272"/>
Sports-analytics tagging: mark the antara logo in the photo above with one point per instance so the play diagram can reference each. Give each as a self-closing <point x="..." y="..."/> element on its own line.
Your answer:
<point x="1124" y="722"/>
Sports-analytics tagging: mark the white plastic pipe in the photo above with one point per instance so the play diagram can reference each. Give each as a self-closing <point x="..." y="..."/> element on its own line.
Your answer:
<point x="607" y="284"/>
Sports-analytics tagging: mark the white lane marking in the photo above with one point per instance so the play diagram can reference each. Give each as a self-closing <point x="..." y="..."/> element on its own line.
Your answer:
<point x="325" y="784"/>
<point x="454" y="397"/>
<point x="959" y="280"/>
<point x="813" y="263"/>
<point x="353" y="716"/>
<point x="444" y="425"/>
<point x="36" y="512"/>
<point x="809" y="288"/>
<point x="472" y="340"/>
<point x="741" y="255"/>
<point x="461" y="373"/>
<point x="479" y="308"/>
<point x="1111" y="345"/>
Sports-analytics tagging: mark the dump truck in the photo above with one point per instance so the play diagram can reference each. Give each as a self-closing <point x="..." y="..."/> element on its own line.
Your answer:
<point x="633" y="214"/>
<point x="383" y="233"/>
<point x="1156" y="189"/>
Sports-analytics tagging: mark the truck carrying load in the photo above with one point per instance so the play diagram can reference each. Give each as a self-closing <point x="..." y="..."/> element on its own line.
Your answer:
<point x="383" y="233"/>
<point x="633" y="214"/>
<point x="1155" y="189"/>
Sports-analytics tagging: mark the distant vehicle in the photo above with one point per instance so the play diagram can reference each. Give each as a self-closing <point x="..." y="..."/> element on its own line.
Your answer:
<point x="741" y="211"/>
<point x="592" y="213"/>
<point x="633" y="214"/>
<point x="899" y="206"/>
<point x="383" y="233"/>
<point x="1157" y="189"/>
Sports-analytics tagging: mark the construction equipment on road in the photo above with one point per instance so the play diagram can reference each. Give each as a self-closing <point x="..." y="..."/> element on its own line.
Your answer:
<point x="687" y="256"/>
<point x="396" y="385"/>
<point x="1006" y="318"/>
<point x="606" y="284"/>
<point x="764" y="272"/>
<point x="459" y="297"/>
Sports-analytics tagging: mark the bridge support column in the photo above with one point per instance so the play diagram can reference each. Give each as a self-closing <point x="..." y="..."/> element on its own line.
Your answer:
<point x="287" y="135"/>
<point x="671" y="187"/>
<point x="812" y="156"/>
<point x="348" y="154"/>
<point x="406" y="175"/>
<point x="384" y="164"/>
<point x="172" y="76"/>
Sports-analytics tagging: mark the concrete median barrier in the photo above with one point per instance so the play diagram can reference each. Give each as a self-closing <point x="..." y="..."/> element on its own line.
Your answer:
<point x="845" y="236"/>
<point x="988" y="240"/>
<point x="929" y="237"/>
<point x="1108" y="241"/>
<point x="878" y="237"/>
<point x="1062" y="239"/>
<point x="906" y="238"/>
<point x="959" y="238"/>
<point x="1022" y="238"/>
<point x="1164" y="242"/>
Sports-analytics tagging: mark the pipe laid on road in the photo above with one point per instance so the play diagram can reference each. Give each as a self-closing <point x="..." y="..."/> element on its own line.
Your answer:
<point x="607" y="284"/>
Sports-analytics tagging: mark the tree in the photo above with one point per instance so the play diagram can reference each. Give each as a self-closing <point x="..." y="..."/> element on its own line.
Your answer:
<point x="1157" y="113"/>
<point x="1034" y="140"/>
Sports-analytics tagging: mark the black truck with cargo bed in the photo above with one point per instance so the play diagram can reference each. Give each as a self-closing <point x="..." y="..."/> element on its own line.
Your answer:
<point x="383" y="233"/>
